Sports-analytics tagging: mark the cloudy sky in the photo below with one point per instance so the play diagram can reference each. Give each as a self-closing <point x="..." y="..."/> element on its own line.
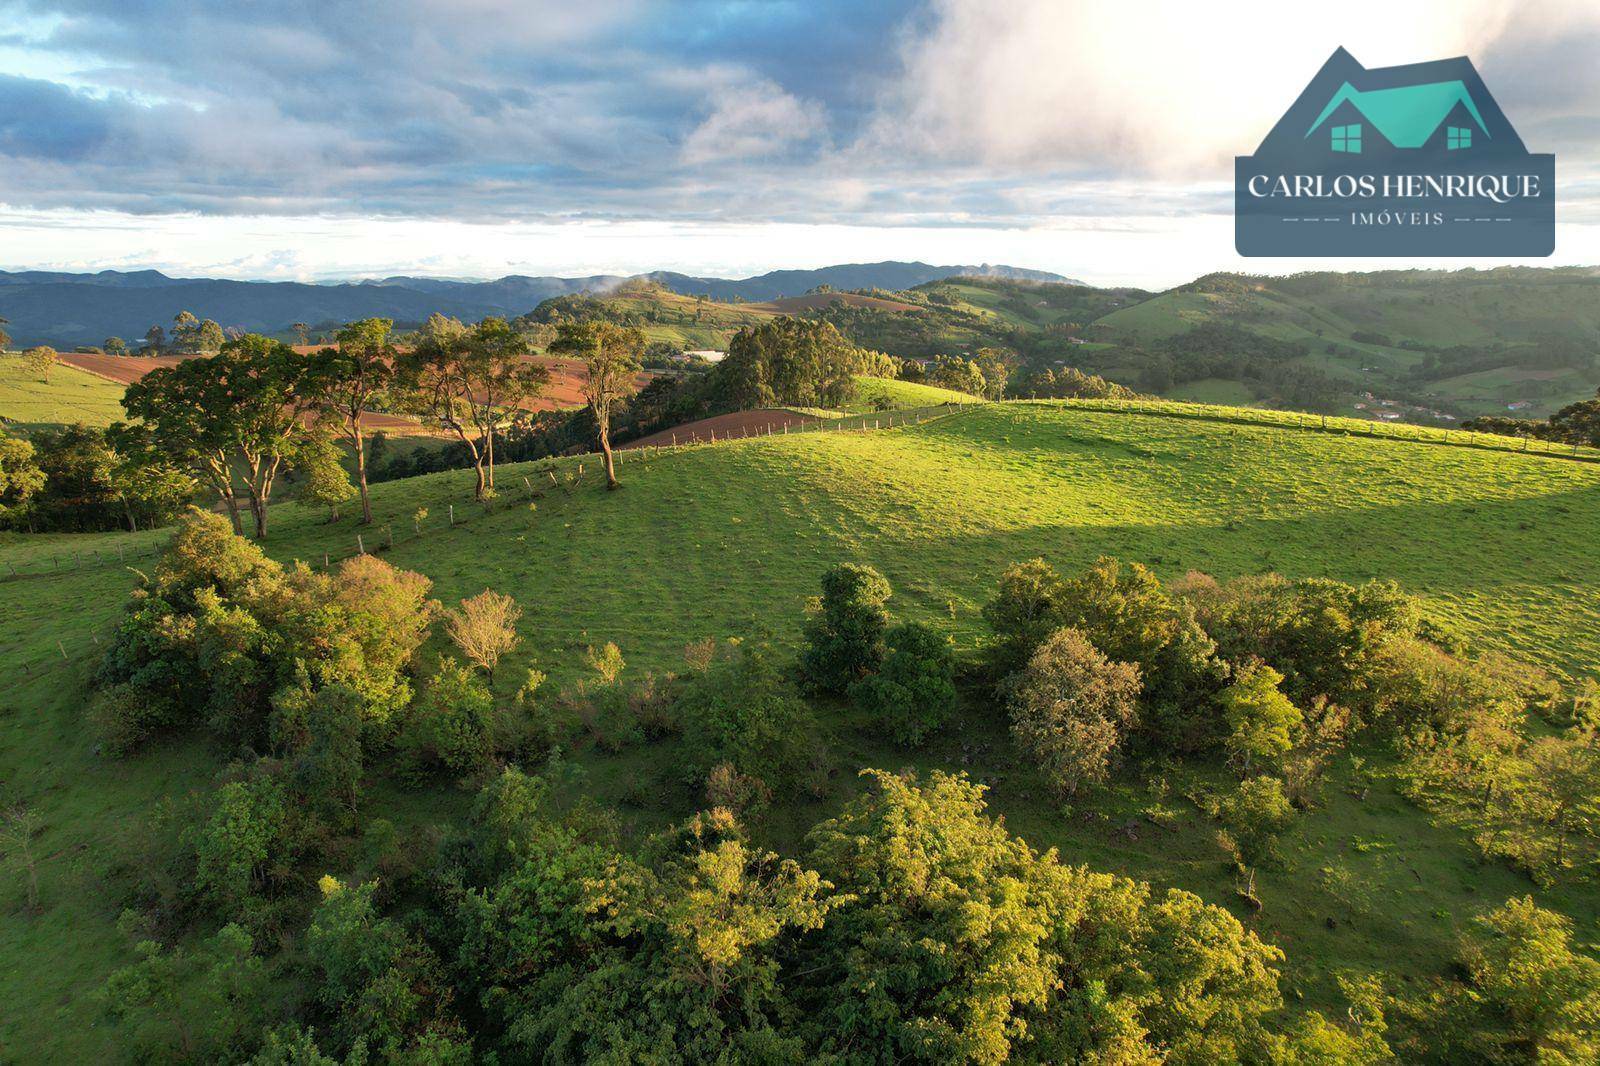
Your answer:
<point x="314" y="139"/>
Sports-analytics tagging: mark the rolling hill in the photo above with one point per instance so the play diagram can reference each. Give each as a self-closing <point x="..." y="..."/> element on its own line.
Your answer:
<point x="730" y="540"/>
<point x="66" y="310"/>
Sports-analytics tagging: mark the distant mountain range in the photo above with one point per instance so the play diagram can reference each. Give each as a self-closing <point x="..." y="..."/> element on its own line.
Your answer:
<point x="66" y="310"/>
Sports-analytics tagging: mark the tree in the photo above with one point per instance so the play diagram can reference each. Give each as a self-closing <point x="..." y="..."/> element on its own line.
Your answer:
<point x="155" y="340"/>
<point x="324" y="482"/>
<point x="1026" y="609"/>
<point x="115" y="346"/>
<point x="1121" y="608"/>
<point x="466" y="380"/>
<point x="1560" y="782"/>
<point x="302" y="333"/>
<point x="611" y="357"/>
<point x="953" y="941"/>
<point x="40" y="360"/>
<point x="180" y="419"/>
<point x="185" y="337"/>
<point x="21" y="479"/>
<point x="915" y="691"/>
<point x="1262" y="722"/>
<point x="1522" y="962"/>
<point x="1071" y="710"/>
<point x="344" y="381"/>
<point x="1254" y="814"/>
<point x="484" y="628"/>
<point x="183" y="1005"/>
<point x="5" y="338"/>
<point x="844" y="635"/>
<point x="209" y="337"/>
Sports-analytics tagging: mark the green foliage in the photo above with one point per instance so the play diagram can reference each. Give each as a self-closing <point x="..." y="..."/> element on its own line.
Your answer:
<point x="1255" y="813"/>
<point x="584" y="954"/>
<point x="1262" y="722"/>
<point x="1121" y="608"/>
<point x="202" y="1005"/>
<point x="788" y="361"/>
<point x="1025" y="610"/>
<point x="914" y="693"/>
<point x="217" y="609"/>
<point x="741" y="709"/>
<point x="844" y="636"/>
<point x="324" y="482"/>
<point x="954" y="941"/>
<point x="1325" y="637"/>
<point x="243" y="843"/>
<point x="385" y="990"/>
<point x="20" y="479"/>
<point x="1072" y="709"/>
<point x="447" y="726"/>
<point x="1525" y="996"/>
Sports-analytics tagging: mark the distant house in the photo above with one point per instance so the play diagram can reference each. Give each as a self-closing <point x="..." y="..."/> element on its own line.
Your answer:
<point x="710" y="355"/>
<point x="1439" y="114"/>
<point x="1520" y="405"/>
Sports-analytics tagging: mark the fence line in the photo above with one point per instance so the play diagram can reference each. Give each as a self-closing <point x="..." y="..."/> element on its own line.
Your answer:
<point x="383" y="537"/>
<point x="1335" y="424"/>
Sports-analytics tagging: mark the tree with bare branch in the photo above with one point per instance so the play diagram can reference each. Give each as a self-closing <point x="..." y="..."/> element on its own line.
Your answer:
<point x="484" y="627"/>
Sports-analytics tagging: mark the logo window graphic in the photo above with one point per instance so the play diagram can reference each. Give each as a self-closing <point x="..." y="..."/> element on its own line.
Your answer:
<point x="1415" y="160"/>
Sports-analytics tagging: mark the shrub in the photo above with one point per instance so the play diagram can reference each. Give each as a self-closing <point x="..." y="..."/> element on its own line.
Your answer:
<point x="1262" y="722"/>
<point x="915" y="691"/>
<point x="1121" y="609"/>
<point x="1071" y="710"/>
<point x="844" y="638"/>
<point x="484" y="628"/>
<point x="741" y="710"/>
<point x="183" y="1005"/>
<point x="447" y="725"/>
<point x="1024" y="612"/>
<point x="219" y="629"/>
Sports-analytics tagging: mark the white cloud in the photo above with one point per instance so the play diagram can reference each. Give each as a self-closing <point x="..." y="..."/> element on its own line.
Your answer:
<point x="752" y="119"/>
<point x="1166" y="87"/>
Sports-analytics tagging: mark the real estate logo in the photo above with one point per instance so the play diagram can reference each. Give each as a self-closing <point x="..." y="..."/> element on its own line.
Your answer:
<point x="1416" y="160"/>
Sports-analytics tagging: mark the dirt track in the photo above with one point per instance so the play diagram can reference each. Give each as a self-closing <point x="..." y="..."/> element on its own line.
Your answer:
<point x="724" y="427"/>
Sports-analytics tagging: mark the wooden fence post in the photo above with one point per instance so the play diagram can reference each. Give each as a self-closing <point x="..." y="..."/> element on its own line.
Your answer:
<point x="360" y="545"/>
<point x="452" y="514"/>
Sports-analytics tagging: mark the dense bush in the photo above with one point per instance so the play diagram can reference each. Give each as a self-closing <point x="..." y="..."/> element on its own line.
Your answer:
<point x="844" y="635"/>
<point x="914" y="693"/>
<point x="1072" y="709"/>
<point x="447" y="726"/>
<point x="1024" y="612"/>
<point x="219" y="629"/>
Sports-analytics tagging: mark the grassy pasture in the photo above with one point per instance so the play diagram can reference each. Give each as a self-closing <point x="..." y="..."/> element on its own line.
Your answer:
<point x="729" y="540"/>
<point x="71" y="395"/>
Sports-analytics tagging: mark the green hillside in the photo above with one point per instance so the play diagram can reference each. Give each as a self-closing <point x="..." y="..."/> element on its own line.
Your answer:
<point x="1472" y="342"/>
<point x="71" y="395"/>
<point x="730" y="540"/>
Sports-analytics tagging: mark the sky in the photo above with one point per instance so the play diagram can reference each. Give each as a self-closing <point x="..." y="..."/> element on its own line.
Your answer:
<point x="323" y="139"/>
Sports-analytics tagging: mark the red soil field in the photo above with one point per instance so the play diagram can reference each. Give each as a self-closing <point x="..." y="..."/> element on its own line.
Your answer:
<point x="738" y="424"/>
<point x="565" y="390"/>
<point x="126" y="369"/>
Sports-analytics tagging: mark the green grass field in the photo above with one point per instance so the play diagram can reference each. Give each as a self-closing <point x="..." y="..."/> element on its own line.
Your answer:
<point x="71" y="395"/>
<point x="877" y="394"/>
<point x="730" y="539"/>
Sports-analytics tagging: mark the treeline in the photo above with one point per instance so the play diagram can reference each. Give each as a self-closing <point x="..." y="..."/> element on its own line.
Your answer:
<point x="1576" y="423"/>
<point x="912" y="927"/>
<point x="237" y="423"/>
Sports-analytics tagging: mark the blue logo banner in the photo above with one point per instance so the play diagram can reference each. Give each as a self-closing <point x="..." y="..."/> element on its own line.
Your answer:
<point x="1416" y="160"/>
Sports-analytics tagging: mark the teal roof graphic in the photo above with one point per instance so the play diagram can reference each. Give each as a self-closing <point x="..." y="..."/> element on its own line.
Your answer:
<point x="1407" y="115"/>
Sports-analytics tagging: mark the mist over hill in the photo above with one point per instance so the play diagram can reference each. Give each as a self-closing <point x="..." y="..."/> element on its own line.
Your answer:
<point x="65" y="309"/>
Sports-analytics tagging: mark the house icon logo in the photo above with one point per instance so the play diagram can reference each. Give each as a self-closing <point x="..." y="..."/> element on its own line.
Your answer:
<point x="1416" y="160"/>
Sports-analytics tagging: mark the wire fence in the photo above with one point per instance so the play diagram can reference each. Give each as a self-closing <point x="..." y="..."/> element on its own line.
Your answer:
<point x="1335" y="424"/>
<point x="519" y="486"/>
